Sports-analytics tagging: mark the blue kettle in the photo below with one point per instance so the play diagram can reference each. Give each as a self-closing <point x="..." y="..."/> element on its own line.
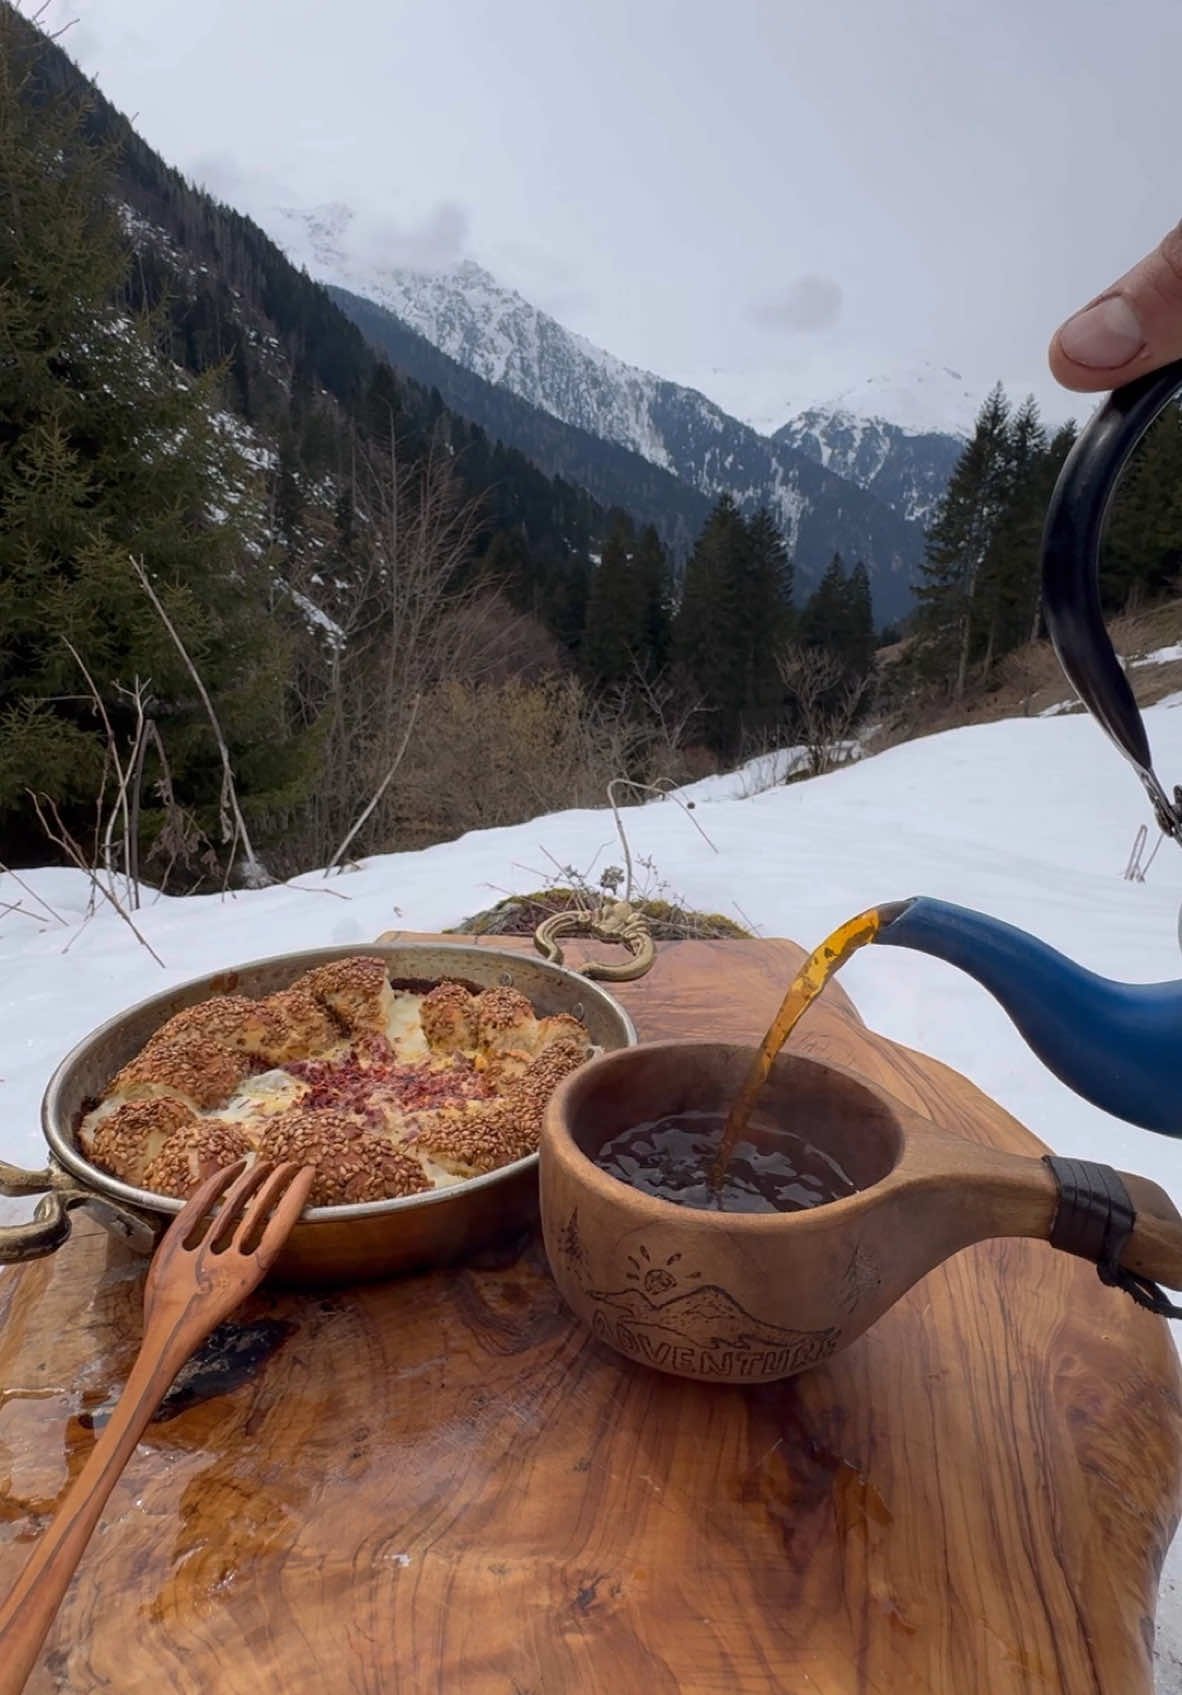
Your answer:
<point x="1118" y="1045"/>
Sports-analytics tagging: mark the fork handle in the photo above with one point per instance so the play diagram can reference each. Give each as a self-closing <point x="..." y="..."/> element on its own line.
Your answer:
<point x="30" y="1609"/>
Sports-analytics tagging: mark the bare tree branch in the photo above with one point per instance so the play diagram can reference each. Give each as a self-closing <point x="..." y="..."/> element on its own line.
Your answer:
<point x="113" y="752"/>
<point x="827" y="700"/>
<point x="383" y="785"/>
<point x="663" y="791"/>
<point x="229" y="796"/>
<point x="61" y="838"/>
<point x="7" y="871"/>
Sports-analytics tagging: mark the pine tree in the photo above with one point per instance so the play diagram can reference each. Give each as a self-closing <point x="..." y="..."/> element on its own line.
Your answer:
<point x="771" y="577"/>
<point x="508" y="565"/>
<point x="1143" y="548"/>
<point x="616" y="637"/>
<point x="1010" y="567"/>
<point x="948" y="613"/>
<point x="735" y="613"/>
<point x="824" y="620"/>
<point x="858" y="635"/>
<point x="763" y="617"/>
<point x="564" y="603"/>
<point x="106" y="450"/>
<point x="702" y="628"/>
<point x="837" y="634"/>
<point x="1048" y="471"/>
<point x="652" y="567"/>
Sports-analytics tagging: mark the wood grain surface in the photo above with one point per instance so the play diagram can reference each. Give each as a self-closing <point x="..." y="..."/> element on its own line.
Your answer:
<point x="443" y="1484"/>
<point x="217" y="1250"/>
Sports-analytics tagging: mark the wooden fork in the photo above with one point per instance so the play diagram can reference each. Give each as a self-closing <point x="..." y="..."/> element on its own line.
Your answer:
<point x="209" y="1259"/>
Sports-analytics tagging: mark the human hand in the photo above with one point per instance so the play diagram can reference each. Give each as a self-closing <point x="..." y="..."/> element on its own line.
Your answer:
<point x="1133" y="327"/>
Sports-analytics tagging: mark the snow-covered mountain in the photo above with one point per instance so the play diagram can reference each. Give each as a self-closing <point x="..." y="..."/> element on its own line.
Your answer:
<point x="907" y="468"/>
<point x="492" y="331"/>
<point x="920" y="396"/>
<point x="920" y="399"/>
<point x="489" y="329"/>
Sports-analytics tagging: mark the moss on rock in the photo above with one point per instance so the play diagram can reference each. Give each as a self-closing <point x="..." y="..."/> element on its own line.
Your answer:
<point x="520" y="915"/>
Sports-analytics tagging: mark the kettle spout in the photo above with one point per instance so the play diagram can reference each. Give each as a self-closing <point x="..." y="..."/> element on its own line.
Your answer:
<point x="1118" y="1045"/>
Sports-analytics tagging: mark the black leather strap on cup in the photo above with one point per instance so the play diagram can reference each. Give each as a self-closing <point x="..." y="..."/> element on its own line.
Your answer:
<point x="1094" y="1220"/>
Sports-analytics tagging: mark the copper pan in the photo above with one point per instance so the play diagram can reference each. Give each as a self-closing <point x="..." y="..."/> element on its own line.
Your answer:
<point x="330" y="1245"/>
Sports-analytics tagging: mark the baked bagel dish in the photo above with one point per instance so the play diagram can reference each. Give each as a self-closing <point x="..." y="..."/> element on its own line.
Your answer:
<point x="387" y="1091"/>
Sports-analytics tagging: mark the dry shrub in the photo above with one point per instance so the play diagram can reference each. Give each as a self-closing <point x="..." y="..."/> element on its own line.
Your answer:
<point x="697" y="761"/>
<point x="1025" y="676"/>
<point x="500" y="643"/>
<point x="827" y="701"/>
<point x="1143" y="629"/>
<point x="489" y="754"/>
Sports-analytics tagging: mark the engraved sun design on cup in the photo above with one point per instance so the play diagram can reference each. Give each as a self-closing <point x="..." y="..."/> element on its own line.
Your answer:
<point x="654" y="1279"/>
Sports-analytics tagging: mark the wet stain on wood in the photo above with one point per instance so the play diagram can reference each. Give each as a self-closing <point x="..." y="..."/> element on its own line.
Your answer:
<point x="229" y="1358"/>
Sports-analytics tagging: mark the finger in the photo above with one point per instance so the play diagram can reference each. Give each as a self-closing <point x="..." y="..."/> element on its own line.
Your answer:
<point x="1133" y="327"/>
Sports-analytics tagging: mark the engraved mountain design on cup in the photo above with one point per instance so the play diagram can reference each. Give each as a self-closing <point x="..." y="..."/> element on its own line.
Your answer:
<point x="707" y="1316"/>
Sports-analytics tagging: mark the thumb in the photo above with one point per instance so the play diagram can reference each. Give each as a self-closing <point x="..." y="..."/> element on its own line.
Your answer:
<point x="1133" y="327"/>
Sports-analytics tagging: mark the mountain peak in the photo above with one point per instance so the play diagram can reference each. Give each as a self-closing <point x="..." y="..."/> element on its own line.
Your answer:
<point x="491" y="331"/>
<point x="922" y="399"/>
<point x="909" y="468"/>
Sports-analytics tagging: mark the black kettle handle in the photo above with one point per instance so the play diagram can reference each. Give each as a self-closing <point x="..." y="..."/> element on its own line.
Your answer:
<point x="1071" y="571"/>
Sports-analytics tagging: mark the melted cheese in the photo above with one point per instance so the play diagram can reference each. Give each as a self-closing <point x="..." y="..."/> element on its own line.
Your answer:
<point x="404" y="1027"/>
<point x="439" y="1175"/>
<point x="93" y="1119"/>
<point x="261" y="1097"/>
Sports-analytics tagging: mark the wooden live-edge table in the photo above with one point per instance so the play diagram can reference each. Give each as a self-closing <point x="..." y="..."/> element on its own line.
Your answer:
<point x="443" y="1484"/>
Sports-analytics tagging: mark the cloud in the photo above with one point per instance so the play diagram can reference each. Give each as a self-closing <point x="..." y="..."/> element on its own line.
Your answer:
<point x="808" y="303"/>
<point x="344" y="237"/>
<point x="545" y="278"/>
<point x="431" y="243"/>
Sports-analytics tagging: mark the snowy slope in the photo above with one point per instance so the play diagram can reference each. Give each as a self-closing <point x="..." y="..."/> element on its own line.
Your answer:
<point x="1030" y="819"/>
<point x="495" y="332"/>
<point x="491" y="330"/>
<point x="920" y="399"/>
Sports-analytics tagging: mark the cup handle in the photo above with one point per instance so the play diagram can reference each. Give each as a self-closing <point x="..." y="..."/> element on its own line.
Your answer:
<point x="1124" y="1225"/>
<point x="1154" y="1249"/>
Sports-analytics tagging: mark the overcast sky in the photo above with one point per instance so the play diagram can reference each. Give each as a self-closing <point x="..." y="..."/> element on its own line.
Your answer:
<point x="770" y="199"/>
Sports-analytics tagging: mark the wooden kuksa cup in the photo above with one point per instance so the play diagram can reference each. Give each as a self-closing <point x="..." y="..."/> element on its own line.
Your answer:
<point x="743" y="1298"/>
